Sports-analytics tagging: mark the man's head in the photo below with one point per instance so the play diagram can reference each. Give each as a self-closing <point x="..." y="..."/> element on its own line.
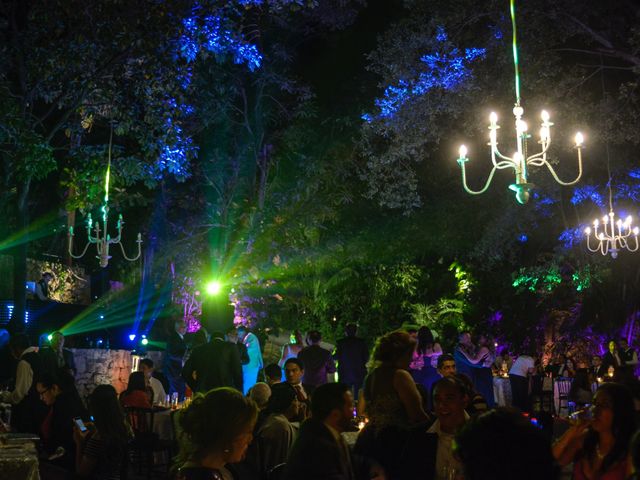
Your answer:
<point x="273" y="372"/>
<point x="57" y="341"/>
<point x="524" y="452"/>
<point x="465" y="338"/>
<point x="18" y="344"/>
<point x="293" y="370"/>
<point x="449" y="401"/>
<point x="332" y="403"/>
<point x="232" y="335"/>
<point x="350" y="329"/>
<point x="623" y="343"/>
<point x="596" y="361"/>
<point x="283" y="401"/>
<point x="146" y="366"/>
<point x="314" y="337"/>
<point x="260" y="394"/>
<point x="47" y="277"/>
<point x="446" y="365"/>
<point x="180" y="327"/>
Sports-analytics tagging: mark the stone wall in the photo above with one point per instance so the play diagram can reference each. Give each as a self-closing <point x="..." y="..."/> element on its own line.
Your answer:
<point x="99" y="366"/>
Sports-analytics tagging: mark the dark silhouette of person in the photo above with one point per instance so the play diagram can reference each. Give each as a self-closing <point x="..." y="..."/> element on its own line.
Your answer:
<point x="352" y="356"/>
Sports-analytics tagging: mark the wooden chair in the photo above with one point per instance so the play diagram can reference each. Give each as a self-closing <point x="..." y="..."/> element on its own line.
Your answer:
<point x="146" y="443"/>
<point x="563" y="384"/>
<point x="277" y="472"/>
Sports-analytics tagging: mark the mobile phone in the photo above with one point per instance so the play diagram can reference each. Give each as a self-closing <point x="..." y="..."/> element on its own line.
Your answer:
<point x="80" y="424"/>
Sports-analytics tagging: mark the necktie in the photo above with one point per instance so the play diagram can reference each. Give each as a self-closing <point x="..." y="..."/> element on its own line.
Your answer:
<point x="299" y="393"/>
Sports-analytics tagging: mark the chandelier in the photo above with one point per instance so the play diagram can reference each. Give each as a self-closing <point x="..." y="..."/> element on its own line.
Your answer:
<point x="100" y="237"/>
<point x="520" y="161"/>
<point x="614" y="235"/>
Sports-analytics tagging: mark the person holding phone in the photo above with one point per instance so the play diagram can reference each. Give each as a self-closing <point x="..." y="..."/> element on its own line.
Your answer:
<point x="58" y="392"/>
<point x="102" y="447"/>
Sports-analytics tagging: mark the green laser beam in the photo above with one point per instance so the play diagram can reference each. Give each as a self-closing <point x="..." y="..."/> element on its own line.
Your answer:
<point x="43" y="227"/>
<point x="515" y="50"/>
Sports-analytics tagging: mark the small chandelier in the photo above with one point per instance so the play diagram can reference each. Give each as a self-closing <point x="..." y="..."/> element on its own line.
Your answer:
<point x="607" y="240"/>
<point x="520" y="162"/>
<point x="101" y="237"/>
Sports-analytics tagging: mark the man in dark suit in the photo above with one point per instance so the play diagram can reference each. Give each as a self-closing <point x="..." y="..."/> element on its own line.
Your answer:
<point x="318" y="361"/>
<point x="172" y="365"/>
<point x="352" y="356"/>
<point x="320" y="452"/>
<point x="293" y="373"/>
<point x="55" y="356"/>
<point x="214" y="364"/>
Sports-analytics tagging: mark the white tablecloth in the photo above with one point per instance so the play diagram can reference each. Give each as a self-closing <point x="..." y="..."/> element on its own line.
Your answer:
<point x="502" y="391"/>
<point x="19" y="462"/>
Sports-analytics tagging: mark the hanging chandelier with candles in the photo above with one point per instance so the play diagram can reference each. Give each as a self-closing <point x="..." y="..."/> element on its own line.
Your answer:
<point x="520" y="161"/>
<point x="100" y="237"/>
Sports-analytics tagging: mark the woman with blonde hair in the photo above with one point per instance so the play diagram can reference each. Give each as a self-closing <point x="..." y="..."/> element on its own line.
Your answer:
<point x="392" y="402"/>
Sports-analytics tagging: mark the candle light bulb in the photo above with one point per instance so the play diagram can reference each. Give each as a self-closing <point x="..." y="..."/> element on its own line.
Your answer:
<point x="463" y="151"/>
<point x="545" y="116"/>
<point x="579" y="139"/>
<point x="587" y="231"/>
<point x="493" y="118"/>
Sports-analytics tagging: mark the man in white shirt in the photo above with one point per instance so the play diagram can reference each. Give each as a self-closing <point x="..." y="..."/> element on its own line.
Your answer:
<point x="449" y="401"/>
<point x="146" y="366"/>
<point x="519" y="380"/>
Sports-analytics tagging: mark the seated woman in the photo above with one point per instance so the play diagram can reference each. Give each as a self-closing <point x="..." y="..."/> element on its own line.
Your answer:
<point x="599" y="448"/>
<point x="392" y="403"/>
<point x="138" y="393"/>
<point x="219" y="428"/>
<point x="58" y="392"/>
<point x="102" y="448"/>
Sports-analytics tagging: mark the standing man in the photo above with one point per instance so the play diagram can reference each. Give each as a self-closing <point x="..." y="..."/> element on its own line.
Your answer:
<point x="628" y="356"/>
<point x="320" y="452"/>
<point x="146" y="366"/>
<point x="519" y="379"/>
<point x="176" y="348"/>
<point x="352" y="356"/>
<point x="317" y="361"/>
<point x="42" y="286"/>
<point x="55" y="355"/>
<point x="254" y="365"/>
<point x="214" y="364"/>
<point x="28" y="411"/>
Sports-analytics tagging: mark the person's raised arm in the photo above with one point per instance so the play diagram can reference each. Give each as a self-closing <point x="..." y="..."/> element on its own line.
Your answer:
<point x="477" y="357"/>
<point x="568" y="445"/>
<point x="409" y="396"/>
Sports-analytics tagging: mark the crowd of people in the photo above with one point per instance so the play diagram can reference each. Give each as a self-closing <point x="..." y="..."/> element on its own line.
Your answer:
<point x="406" y="409"/>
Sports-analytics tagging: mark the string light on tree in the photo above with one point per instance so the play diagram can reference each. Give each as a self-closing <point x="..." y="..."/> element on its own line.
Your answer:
<point x="520" y="161"/>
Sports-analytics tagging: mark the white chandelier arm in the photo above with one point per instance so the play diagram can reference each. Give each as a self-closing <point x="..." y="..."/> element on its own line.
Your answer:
<point x="592" y="250"/>
<point x="139" y="242"/>
<point x="495" y="151"/>
<point x="464" y="179"/>
<point x="555" y="176"/>
<point x="76" y="257"/>
<point x="540" y="156"/>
